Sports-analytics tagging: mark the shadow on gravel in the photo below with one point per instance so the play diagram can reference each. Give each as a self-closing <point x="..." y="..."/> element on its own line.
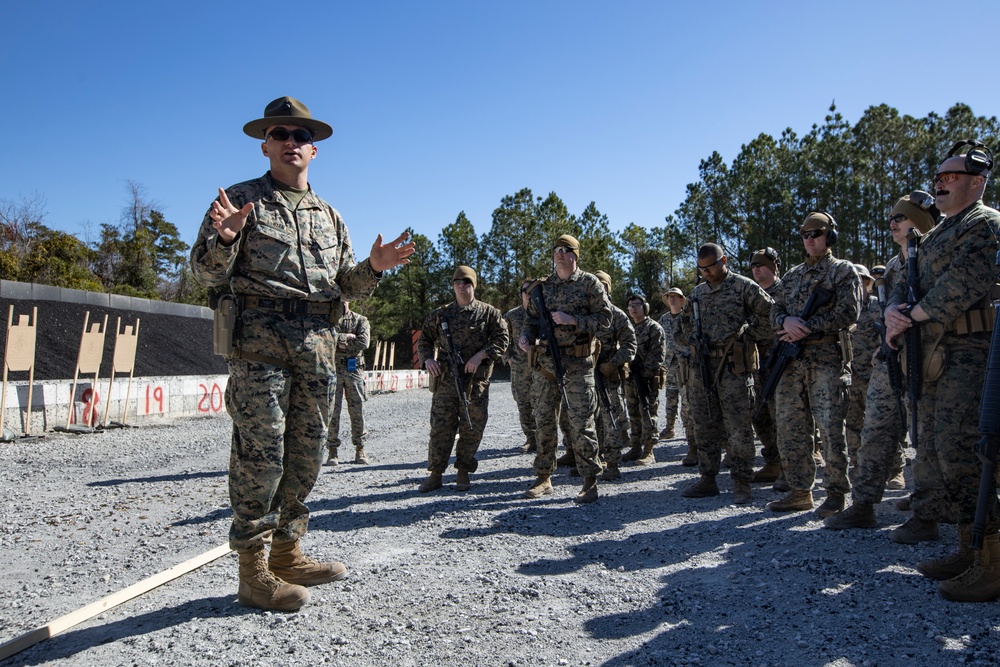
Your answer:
<point x="161" y="478"/>
<point x="214" y="515"/>
<point x="73" y="642"/>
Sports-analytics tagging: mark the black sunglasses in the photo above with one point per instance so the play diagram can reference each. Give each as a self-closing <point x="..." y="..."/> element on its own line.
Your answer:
<point x="281" y="134"/>
<point x="899" y="217"/>
<point x="708" y="266"/>
<point x="812" y="233"/>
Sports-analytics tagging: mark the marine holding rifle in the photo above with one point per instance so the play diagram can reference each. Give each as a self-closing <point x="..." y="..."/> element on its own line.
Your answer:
<point x="957" y="272"/>
<point x="575" y="309"/>
<point x="458" y="345"/>
<point x="726" y="315"/>
<point x="642" y="390"/>
<point x="814" y="385"/>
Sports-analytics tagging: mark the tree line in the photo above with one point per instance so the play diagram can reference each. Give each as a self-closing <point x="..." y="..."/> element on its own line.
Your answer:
<point x="854" y="172"/>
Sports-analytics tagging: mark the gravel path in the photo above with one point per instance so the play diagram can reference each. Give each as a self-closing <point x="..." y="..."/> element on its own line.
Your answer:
<point x="642" y="577"/>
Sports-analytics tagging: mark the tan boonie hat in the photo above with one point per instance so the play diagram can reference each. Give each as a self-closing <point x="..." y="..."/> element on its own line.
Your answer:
<point x="863" y="272"/>
<point x="287" y="111"/>
<point x="465" y="272"/>
<point x="567" y="241"/>
<point x="605" y="280"/>
<point x="672" y="290"/>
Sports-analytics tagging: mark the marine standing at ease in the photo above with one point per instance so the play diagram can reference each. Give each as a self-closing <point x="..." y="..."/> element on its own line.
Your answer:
<point x="287" y="257"/>
<point x="353" y="337"/>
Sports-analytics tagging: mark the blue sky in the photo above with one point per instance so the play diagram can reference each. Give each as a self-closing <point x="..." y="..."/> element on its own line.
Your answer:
<point x="442" y="107"/>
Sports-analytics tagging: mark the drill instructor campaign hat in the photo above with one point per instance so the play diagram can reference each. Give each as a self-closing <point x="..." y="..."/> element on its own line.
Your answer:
<point x="287" y="111"/>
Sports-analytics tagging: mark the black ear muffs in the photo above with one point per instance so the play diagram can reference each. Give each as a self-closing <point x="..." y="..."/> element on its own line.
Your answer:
<point x="640" y="297"/>
<point x="978" y="158"/>
<point x="831" y="233"/>
<point x="772" y="255"/>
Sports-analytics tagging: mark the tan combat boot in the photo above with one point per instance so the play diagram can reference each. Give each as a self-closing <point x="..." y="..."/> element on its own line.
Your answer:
<point x="915" y="531"/>
<point x="794" y="501"/>
<point x="588" y="493"/>
<point x="769" y="473"/>
<point x="954" y="563"/>
<point x="633" y="454"/>
<point x="705" y="487"/>
<point x="981" y="582"/>
<point x="741" y="493"/>
<point x="259" y="588"/>
<point x="360" y="456"/>
<point x="647" y="456"/>
<point x="432" y="483"/>
<point x="462" y="482"/>
<point x="896" y="481"/>
<point x="331" y="459"/>
<point x="834" y="503"/>
<point x="541" y="487"/>
<point x="289" y="564"/>
<point x="528" y="447"/>
<point x="858" y="515"/>
<point x="611" y="471"/>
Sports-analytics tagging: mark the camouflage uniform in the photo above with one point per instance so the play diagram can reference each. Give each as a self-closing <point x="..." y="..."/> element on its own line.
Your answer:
<point x="957" y="270"/>
<point x="865" y="342"/>
<point x="478" y="327"/>
<point x="764" y="426"/>
<point x="618" y="346"/>
<point x="883" y="434"/>
<point x="671" y="389"/>
<point x="520" y="374"/>
<point x="736" y="304"/>
<point x="582" y="296"/>
<point x="351" y="384"/>
<point x="813" y="389"/>
<point x="281" y="406"/>
<point x="651" y="347"/>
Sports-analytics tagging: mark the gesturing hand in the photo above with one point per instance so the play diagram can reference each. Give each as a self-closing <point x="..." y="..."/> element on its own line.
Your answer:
<point x="385" y="256"/>
<point x="227" y="219"/>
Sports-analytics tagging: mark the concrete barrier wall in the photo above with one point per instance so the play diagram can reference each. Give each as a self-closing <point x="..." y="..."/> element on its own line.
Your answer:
<point x="146" y="399"/>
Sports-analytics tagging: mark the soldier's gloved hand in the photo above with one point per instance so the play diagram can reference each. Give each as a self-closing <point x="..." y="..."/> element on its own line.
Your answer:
<point x="609" y="369"/>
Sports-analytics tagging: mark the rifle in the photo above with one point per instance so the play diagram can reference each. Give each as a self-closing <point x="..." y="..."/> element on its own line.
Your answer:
<point x="890" y="356"/>
<point x="547" y="332"/>
<point x="914" y="351"/>
<point x="782" y="352"/>
<point x="641" y="389"/>
<point x="704" y="355"/>
<point x="455" y="363"/>
<point x="605" y="396"/>
<point x="989" y="428"/>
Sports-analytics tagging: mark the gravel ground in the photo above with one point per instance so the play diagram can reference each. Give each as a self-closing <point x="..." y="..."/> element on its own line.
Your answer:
<point x="642" y="577"/>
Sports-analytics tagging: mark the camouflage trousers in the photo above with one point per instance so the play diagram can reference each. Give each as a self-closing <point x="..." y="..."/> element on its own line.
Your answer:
<point x="731" y="399"/>
<point x="766" y="429"/>
<point x="350" y="385"/>
<point x="671" y="396"/>
<point x="548" y="404"/>
<point x="882" y="437"/>
<point x="812" y="394"/>
<point x="642" y="419"/>
<point x="855" y="421"/>
<point x="280" y="420"/>
<point x="946" y="470"/>
<point x="520" y="387"/>
<point x="612" y="441"/>
<point x="447" y="419"/>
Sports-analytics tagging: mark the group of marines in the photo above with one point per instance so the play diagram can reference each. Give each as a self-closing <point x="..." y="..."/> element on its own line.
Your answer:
<point x="839" y="326"/>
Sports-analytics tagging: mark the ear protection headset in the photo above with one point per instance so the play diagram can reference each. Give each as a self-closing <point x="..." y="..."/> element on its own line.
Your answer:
<point x="831" y="233"/>
<point x="978" y="158"/>
<point x="771" y="254"/>
<point x="639" y="297"/>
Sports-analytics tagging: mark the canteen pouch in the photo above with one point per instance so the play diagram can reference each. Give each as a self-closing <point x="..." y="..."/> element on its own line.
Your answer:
<point x="224" y="324"/>
<point x="846" y="343"/>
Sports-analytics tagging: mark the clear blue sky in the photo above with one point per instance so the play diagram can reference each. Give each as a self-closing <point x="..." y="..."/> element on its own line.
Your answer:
<point x="440" y="107"/>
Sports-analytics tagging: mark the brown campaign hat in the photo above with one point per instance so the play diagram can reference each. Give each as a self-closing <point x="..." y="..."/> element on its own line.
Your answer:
<point x="465" y="272"/>
<point x="287" y="111"/>
<point x="923" y="217"/>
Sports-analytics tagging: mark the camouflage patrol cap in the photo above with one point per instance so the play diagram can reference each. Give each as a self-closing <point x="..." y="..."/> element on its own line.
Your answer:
<point x="605" y="280"/>
<point x="567" y="241"/>
<point x="287" y="111"/>
<point x="672" y="290"/>
<point x="466" y="273"/>
<point x="863" y="272"/>
<point x="919" y="208"/>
